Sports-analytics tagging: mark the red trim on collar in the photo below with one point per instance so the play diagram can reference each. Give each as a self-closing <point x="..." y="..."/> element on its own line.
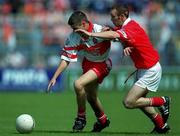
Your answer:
<point x="90" y="27"/>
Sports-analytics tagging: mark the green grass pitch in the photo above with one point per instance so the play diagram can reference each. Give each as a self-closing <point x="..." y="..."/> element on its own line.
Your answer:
<point x="54" y="114"/>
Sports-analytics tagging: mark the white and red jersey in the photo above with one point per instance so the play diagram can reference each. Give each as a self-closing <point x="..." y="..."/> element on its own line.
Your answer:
<point x="132" y="35"/>
<point x="93" y="49"/>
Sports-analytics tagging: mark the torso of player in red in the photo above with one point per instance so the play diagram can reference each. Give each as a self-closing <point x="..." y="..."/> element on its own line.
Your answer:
<point x="143" y="53"/>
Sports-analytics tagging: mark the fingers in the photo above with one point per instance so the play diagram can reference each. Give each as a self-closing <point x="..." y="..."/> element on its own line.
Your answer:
<point x="83" y="31"/>
<point x="127" y="51"/>
<point x="79" y="30"/>
<point x="49" y="87"/>
<point x="105" y="28"/>
<point x="51" y="83"/>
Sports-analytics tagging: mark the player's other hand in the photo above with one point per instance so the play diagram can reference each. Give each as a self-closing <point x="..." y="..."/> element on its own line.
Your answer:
<point x="51" y="83"/>
<point x="127" y="51"/>
<point x="106" y="28"/>
<point x="83" y="31"/>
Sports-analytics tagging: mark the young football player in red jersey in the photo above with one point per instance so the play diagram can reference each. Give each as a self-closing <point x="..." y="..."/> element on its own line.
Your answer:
<point x="146" y="59"/>
<point x="96" y="66"/>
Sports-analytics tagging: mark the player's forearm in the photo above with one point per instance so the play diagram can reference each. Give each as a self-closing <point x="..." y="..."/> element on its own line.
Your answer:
<point x="106" y="34"/>
<point x="62" y="66"/>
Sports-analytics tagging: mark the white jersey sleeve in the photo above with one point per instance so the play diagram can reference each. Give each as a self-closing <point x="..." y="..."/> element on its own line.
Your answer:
<point x="70" y="48"/>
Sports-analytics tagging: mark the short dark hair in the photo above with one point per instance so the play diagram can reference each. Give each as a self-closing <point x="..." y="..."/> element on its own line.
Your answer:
<point x="121" y="9"/>
<point x="76" y="18"/>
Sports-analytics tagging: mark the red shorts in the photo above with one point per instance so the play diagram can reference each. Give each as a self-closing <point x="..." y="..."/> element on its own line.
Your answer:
<point x="101" y="69"/>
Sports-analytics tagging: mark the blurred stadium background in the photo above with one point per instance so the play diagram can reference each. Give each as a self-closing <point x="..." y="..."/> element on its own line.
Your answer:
<point x="32" y="33"/>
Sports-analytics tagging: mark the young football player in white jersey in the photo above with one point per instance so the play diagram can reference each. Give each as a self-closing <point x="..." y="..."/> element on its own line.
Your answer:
<point x="95" y="65"/>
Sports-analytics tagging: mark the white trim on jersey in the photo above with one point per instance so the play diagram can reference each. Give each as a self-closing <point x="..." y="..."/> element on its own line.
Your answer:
<point x="68" y="59"/>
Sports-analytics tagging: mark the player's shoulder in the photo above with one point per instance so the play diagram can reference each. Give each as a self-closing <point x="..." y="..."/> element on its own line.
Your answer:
<point x="135" y="26"/>
<point x="133" y="23"/>
<point x="97" y="28"/>
<point x="73" y="38"/>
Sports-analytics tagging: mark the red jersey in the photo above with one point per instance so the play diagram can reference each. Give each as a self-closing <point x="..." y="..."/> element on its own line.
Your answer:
<point x="143" y="54"/>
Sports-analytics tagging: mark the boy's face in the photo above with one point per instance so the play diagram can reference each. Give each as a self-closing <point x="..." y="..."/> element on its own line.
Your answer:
<point x="78" y="27"/>
<point x="83" y="25"/>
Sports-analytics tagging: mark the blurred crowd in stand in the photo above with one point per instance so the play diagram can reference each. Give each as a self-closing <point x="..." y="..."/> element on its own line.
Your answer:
<point x="32" y="32"/>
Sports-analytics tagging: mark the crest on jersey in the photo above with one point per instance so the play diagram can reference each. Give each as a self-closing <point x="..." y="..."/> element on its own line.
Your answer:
<point x="123" y="33"/>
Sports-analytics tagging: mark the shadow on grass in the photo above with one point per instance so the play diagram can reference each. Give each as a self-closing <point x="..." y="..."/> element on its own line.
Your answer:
<point x="83" y="132"/>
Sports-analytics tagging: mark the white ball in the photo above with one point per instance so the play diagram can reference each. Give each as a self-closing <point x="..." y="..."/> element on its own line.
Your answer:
<point x="25" y="123"/>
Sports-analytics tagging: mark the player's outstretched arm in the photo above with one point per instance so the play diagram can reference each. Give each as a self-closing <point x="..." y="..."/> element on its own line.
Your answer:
<point x="62" y="66"/>
<point x="106" y="34"/>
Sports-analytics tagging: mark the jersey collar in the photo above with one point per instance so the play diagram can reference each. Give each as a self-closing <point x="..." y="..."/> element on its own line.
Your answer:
<point x="89" y="30"/>
<point x="126" y="21"/>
